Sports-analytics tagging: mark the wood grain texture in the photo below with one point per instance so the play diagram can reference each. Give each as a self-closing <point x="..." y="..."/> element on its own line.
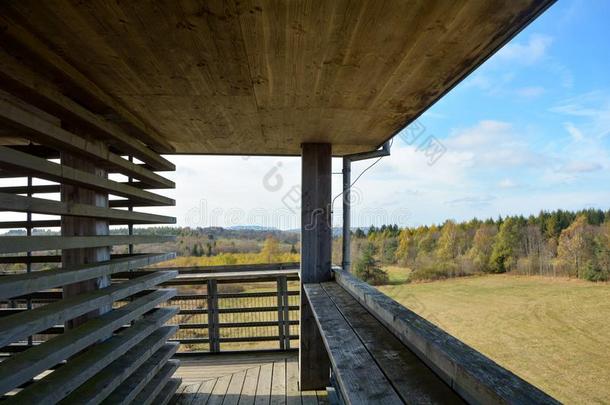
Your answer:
<point x="17" y="203"/>
<point x="18" y="326"/>
<point x="66" y="379"/>
<point x="114" y="375"/>
<point x="260" y="76"/>
<point x="472" y="375"/>
<point x="21" y="367"/>
<point x="360" y="379"/>
<point x="21" y="284"/>
<point x="410" y="377"/>
<point x="316" y="246"/>
<point x="66" y="174"/>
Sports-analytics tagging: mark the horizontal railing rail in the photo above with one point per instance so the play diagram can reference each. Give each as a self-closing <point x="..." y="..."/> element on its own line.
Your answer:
<point x="221" y="308"/>
<point x="237" y="308"/>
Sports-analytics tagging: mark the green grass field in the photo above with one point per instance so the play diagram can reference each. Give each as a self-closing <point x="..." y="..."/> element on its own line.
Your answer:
<point x="555" y="333"/>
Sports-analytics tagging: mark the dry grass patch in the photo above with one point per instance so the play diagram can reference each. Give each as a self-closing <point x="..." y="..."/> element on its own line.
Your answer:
<point x="555" y="333"/>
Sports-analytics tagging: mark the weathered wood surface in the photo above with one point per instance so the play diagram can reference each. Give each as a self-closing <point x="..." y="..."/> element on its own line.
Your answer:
<point x="40" y="130"/>
<point x="41" y="92"/>
<point x="133" y="386"/>
<point x="104" y="383"/>
<point x="235" y="275"/>
<point x="473" y="376"/>
<point x="19" y="326"/>
<point x="360" y="379"/>
<point x="413" y="381"/>
<point x="12" y="159"/>
<point x="167" y="392"/>
<point x="66" y="379"/>
<point x="236" y="268"/>
<point x="237" y="77"/>
<point x="21" y="367"/>
<point x="201" y="376"/>
<point x="11" y="202"/>
<point x="75" y="84"/>
<point x="14" y="244"/>
<point x="155" y="385"/>
<point x="21" y="284"/>
<point x="316" y="245"/>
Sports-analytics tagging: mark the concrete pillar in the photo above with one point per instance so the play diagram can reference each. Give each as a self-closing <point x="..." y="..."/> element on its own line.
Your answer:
<point x="316" y="241"/>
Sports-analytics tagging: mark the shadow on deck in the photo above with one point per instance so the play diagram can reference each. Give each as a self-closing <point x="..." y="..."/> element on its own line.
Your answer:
<point x="249" y="378"/>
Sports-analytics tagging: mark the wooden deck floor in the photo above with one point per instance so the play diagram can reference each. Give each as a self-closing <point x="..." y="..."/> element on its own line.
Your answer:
<point x="243" y="379"/>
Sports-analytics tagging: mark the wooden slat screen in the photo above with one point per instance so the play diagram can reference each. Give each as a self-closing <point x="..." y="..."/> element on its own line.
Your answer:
<point x="68" y="331"/>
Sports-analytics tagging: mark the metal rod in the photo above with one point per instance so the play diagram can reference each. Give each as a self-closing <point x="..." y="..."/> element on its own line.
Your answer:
<point x="347" y="180"/>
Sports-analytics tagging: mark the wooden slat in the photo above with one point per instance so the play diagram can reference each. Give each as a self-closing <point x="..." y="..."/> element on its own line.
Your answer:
<point x="23" y="366"/>
<point x="19" y="326"/>
<point x="10" y="202"/>
<point x="263" y="389"/>
<point x="293" y="395"/>
<point x="155" y="385"/>
<point x="57" y="258"/>
<point x="412" y="379"/>
<point x="186" y="394"/>
<point x="80" y="368"/>
<point x="42" y="93"/>
<point x="81" y="89"/>
<point x="13" y="286"/>
<point x="278" y="384"/>
<point x="44" y="169"/>
<point x="32" y="224"/>
<point x="238" y="275"/>
<point x="14" y="244"/>
<point x="205" y="390"/>
<point x="473" y="376"/>
<point x="220" y="390"/>
<point x="36" y="129"/>
<point x="248" y="391"/>
<point x="132" y="386"/>
<point x="359" y="378"/>
<point x="232" y="268"/>
<point x="40" y="189"/>
<point x="234" y="390"/>
<point x="168" y="391"/>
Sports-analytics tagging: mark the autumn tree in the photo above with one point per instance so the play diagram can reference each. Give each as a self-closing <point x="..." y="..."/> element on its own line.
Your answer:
<point x="575" y="248"/>
<point x="271" y="247"/>
<point x="482" y="246"/>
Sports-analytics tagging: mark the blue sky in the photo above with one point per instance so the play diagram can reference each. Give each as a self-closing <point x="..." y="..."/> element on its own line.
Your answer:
<point x="529" y="130"/>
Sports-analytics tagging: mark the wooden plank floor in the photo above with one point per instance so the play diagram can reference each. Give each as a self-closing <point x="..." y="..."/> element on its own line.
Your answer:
<point x="240" y="379"/>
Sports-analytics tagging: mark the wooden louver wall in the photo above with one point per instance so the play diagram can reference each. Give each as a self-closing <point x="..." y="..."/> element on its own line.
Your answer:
<point x="105" y="339"/>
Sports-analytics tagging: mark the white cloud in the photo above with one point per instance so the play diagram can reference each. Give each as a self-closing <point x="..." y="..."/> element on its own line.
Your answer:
<point x="532" y="51"/>
<point x="530" y="91"/>
<point x="507" y="183"/>
<point x="472" y="201"/>
<point x="574" y="132"/>
<point x="594" y="107"/>
<point x="492" y="143"/>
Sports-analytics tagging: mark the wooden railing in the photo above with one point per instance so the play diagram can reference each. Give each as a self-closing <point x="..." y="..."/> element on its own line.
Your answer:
<point x="236" y="308"/>
<point x="221" y="308"/>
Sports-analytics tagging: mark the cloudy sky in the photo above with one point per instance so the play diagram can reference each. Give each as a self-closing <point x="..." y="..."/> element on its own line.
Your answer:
<point x="529" y="130"/>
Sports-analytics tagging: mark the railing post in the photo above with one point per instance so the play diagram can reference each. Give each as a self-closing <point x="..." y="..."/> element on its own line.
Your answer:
<point x="213" y="328"/>
<point x="283" y="313"/>
<point x="286" y="309"/>
<point x="280" y="314"/>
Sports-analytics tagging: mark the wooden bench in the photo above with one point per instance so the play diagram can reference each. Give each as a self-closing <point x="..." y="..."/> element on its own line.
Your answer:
<point x="382" y="353"/>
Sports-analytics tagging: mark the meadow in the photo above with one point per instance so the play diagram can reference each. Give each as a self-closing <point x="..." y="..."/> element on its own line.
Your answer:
<point x="553" y="332"/>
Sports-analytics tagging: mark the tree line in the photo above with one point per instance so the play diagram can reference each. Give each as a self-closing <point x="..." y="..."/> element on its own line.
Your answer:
<point x="557" y="243"/>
